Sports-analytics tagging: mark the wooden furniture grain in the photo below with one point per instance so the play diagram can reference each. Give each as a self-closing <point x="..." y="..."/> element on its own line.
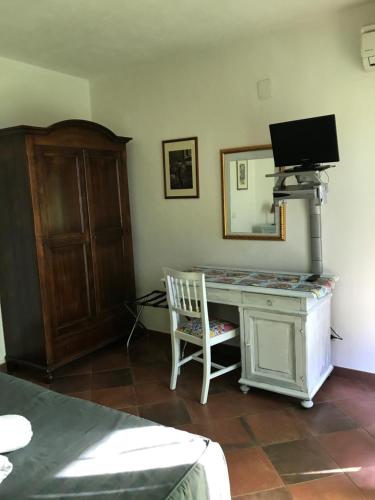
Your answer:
<point x="186" y="294"/>
<point x="66" y="262"/>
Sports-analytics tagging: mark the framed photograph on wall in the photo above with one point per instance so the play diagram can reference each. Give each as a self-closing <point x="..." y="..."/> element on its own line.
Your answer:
<point x="180" y="161"/>
<point x="242" y="179"/>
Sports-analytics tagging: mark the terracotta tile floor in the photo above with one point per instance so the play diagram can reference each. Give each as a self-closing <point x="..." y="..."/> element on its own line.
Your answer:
<point x="275" y="450"/>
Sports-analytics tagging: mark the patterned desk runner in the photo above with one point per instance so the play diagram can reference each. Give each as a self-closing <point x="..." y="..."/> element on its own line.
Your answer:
<point x="319" y="288"/>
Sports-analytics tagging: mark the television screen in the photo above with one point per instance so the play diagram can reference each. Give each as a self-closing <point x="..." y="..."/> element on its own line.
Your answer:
<point x="305" y="142"/>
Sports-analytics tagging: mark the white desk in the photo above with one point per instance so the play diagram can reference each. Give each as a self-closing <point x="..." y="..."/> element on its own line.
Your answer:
<point x="285" y="333"/>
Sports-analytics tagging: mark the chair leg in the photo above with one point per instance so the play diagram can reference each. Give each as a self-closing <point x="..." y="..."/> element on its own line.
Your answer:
<point x="175" y="360"/>
<point x="206" y="374"/>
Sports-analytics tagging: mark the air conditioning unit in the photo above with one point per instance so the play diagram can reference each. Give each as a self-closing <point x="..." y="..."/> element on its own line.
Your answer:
<point x="368" y="47"/>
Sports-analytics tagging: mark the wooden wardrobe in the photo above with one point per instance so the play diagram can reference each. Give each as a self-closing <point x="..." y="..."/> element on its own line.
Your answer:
<point x="66" y="261"/>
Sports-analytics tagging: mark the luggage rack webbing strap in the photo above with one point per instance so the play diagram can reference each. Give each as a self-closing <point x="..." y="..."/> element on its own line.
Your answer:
<point x="156" y="298"/>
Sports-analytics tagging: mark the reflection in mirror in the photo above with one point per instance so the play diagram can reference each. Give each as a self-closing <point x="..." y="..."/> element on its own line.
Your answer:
<point x="248" y="209"/>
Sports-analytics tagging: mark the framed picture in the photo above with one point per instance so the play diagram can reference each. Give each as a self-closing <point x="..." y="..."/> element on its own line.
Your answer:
<point x="242" y="174"/>
<point x="180" y="161"/>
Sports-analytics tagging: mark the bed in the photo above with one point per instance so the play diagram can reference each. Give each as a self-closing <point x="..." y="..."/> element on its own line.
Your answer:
<point x="81" y="450"/>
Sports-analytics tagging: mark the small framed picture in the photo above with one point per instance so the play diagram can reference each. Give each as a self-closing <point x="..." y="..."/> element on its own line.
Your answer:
<point x="242" y="181"/>
<point x="180" y="161"/>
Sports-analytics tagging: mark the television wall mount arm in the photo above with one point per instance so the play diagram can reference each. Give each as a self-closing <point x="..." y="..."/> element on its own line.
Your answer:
<point x="309" y="187"/>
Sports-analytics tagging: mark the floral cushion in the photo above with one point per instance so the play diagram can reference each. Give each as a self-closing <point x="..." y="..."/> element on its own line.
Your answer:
<point x="217" y="327"/>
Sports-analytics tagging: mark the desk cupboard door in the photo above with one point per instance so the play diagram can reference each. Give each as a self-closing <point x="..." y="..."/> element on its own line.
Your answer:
<point x="110" y="229"/>
<point x="64" y="242"/>
<point x="274" y="349"/>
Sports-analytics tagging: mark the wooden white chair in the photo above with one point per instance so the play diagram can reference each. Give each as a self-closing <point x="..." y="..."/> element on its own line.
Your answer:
<point x="186" y="295"/>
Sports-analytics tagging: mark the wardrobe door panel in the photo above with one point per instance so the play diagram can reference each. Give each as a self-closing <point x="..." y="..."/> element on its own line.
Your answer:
<point x="104" y="190"/>
<point x="106" y="195"/>
<point x="60" y="175"/>
<point x="67" y="271"/>
<point x="71" y="293"/>
<point x="109" y="263"/>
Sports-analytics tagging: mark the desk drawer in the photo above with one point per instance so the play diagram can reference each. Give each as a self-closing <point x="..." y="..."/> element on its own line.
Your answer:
<point x="272" y="302"/>
<point x="222" y="296"/>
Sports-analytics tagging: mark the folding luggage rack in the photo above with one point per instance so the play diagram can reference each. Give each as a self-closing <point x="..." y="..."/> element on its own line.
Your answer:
<point x="156" y="298"/>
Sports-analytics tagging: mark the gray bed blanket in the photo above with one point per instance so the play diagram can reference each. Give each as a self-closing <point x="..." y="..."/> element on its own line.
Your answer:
<point x="81" y="450"/>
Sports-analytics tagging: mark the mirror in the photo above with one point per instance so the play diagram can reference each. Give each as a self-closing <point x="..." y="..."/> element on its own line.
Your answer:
<point x="248" y="209"/>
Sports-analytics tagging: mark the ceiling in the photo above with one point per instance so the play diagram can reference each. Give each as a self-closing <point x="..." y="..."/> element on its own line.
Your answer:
<point x="88" y="38"/>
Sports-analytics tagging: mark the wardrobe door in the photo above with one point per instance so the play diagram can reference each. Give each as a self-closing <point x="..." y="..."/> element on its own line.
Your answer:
<point x="110" y="229"/>
<point x="65" y="240"/>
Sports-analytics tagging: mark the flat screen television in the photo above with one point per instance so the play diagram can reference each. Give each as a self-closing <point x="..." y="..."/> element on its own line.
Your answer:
<point x="307" y="142"/>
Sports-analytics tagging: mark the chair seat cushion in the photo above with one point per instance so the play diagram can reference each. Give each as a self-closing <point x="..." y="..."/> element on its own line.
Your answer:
<point x="217" y="327"/>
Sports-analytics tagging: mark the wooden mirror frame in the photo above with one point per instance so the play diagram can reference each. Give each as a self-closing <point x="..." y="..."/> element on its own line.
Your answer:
<point x="281" y="236"/>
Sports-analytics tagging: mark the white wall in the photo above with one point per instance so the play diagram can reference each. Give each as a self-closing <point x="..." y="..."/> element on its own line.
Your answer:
<point x="30" y="95"/>
<point x="315" y="69"/>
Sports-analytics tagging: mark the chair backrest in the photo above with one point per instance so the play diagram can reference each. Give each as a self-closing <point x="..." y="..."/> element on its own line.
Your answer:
<point x="186" y="295"/>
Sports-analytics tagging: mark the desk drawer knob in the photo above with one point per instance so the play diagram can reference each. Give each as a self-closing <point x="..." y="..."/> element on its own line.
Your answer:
<point x="269" y="302"/>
